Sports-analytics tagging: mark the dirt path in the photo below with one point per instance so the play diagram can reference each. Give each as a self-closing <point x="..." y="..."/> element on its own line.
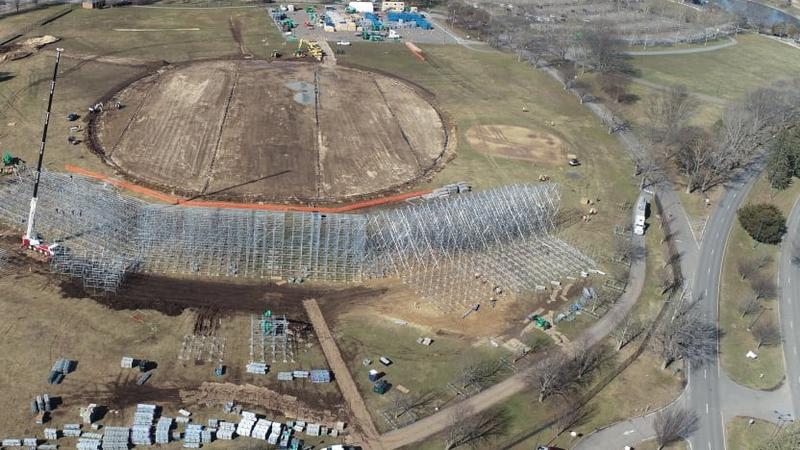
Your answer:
<point x="364" y="428"/>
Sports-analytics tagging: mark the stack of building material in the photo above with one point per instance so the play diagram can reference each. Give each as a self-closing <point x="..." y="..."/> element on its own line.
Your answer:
<point x="51" y="434"/>
<point x="247" y="423"/>
<point x="226" y="430"/>
<point x="213" y="423"/>
<point x="286" y="437"/>
<point x="300" y="374"/>
<point x="72" y="430"/>
<point x="192" y="436"/>
<point x="127" y="362"/>
<point x="116" y="438"/>
<point x="41" y="403"/>
<point x="320" y="376"/>
<point x="299" y="426"/>
<point x="30" y="442"/>
<point x="312" y="429"/>
<point x="257" y="368"/>
<point x="60" y="369"/>
<point x="275" y="434"/>
<point x="285" y="376"/>
<point x="207" y="436"/>
<point x="182" y="419"/>
<point x="89" y="444"/>
<point x="11" y="443"/>
<point x="142" y="430"/>
<point x="47" y="447"/>
<point x="92" y="436"/>
<point x="89" y="414"/>
<point x="162" y="429"/>
<point x="261" y="430"/>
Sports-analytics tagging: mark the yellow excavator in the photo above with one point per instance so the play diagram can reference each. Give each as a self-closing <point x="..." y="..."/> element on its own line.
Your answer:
<point x="310" y="48"/>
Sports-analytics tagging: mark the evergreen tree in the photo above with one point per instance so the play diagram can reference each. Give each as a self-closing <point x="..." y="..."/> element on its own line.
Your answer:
<point x="764" y="222"/>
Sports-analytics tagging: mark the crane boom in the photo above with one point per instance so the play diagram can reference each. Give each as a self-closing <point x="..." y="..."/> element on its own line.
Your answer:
<point x="29" y="234"/>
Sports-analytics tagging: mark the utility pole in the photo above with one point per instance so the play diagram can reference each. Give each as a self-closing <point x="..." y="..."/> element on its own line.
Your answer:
<point x="29" y="234"/>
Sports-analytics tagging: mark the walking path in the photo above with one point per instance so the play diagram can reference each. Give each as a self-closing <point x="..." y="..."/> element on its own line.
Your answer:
<point x="364" y="430"/>
<point x="685" y="51"/>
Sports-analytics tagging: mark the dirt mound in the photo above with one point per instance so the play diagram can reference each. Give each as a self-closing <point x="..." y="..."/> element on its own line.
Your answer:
<point x="22" y="49"/>
<point x="256" y="396"/>
<point x="517" y="143"/>
<point x="279" y="131"/>
<point x="172" y="296"/>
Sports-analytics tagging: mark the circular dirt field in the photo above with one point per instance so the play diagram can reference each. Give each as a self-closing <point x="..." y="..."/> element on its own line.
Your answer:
<point x="280" y="131"/>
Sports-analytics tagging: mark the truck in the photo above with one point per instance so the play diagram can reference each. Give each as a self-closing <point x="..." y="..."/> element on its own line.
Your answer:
<point x="640" y="216"/>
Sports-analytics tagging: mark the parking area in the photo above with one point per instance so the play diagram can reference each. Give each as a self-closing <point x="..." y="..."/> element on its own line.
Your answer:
<point x="312" y="25"/>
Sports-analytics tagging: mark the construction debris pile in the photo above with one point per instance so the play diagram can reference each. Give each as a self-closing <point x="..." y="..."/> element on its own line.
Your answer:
<point x="23" y="49"/>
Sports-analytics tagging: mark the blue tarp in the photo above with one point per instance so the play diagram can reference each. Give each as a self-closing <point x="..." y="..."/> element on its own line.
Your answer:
<point x="409" y="17"/>
<point x="376" y="22"/>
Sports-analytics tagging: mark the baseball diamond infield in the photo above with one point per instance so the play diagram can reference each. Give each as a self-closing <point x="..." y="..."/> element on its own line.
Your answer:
<point x="283" y="131"/>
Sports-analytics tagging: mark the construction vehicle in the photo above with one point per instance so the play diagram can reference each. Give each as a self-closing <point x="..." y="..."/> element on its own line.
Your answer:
<point x="98" y="107"/>
<point x="31" y="240"/>
<point x="540" y="322"/>
<point x="309" y="48"/>
<point x="288" y="24"/>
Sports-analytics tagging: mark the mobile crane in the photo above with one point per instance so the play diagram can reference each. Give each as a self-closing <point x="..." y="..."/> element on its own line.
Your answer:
<point x="30" y="239"/>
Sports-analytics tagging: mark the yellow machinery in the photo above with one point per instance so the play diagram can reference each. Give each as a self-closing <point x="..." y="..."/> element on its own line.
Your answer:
<point x="312" y="48"/>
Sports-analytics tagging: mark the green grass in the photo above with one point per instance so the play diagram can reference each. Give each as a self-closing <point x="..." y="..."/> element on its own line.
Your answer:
<point x="728" y="73"/>
<point x="419" y="368"/>
<point x="92" y="32"/>
<point x="16" y="22"/>
<point x="741" y="435"/>
<point x="766" y="372"/>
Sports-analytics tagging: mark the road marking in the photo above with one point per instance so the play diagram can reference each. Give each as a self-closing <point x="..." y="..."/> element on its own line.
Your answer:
<point x="709" y="270"/>
<point x="628" y="432"/>
<point x="705" y="373"/>
<point x="709" y="445"/>
<point x="706" y="408"/>
<point x="712" y="250"/>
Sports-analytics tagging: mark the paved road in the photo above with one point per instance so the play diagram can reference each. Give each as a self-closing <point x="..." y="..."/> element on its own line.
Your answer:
<point x="685" y="51"/>
<point x="518" y="382"/>
<point x="789" y="288"/>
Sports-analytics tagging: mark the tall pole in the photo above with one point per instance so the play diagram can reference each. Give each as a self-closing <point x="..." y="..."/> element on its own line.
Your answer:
<point x="35" y="198"/>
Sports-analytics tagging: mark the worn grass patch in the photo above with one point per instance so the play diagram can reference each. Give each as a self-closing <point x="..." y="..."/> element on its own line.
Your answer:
<point x="741" y="435"/>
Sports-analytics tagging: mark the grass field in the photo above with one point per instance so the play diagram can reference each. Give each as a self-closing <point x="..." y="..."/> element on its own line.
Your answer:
<point x="93" y="32"/>
<point x="727" y="73"/>
<point x="767" y="371"/>
<point x="489" y="88"/>
<point x="741" y="435"/>
<point x="15" y="22"/>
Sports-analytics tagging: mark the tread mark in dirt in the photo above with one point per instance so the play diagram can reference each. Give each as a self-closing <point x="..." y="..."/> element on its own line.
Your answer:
<point x="221" y="128"/>
<point x="318" y="129"/>
<point x="402" y="132"/>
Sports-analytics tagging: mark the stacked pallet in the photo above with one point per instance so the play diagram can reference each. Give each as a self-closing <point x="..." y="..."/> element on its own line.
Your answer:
<point x="116" y="438"/>
<point x="142" y="430"/>
<point x="192" y="437"/>
<point x="51" y="434"/>
<point x="226" y="430"/>
<point x="261" y="429"/>
<point x="162" y="430"/>
<point x="72" y="430"/>
<point x="246" y="424"/>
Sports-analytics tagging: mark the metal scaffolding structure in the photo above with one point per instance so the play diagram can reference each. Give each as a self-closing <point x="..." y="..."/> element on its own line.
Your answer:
<point x="270" y="334"/>
<point x="454" y="251"/>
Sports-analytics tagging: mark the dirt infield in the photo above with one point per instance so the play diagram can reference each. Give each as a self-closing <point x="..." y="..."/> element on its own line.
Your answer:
<point x="517" y="143"/>
<point x="282" y="132"/>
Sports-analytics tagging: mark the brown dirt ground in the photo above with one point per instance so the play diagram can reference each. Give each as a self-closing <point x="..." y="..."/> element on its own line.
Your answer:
<point x="517" y="143"/>
<point x="231" y="130"/>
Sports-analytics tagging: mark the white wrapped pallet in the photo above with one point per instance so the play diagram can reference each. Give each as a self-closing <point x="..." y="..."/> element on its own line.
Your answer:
<point x="51" y="434"/>
<point x="226" y="430"/>
<point x="162" y="430"/>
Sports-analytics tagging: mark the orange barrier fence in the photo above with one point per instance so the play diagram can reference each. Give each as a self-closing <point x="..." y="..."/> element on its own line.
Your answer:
<point x="415" y="50"/>
<point x="236" y="205"/>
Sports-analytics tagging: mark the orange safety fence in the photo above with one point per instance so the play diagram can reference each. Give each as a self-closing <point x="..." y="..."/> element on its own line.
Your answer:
<point x="415" y="50"/>
<point x="236" y="205"/>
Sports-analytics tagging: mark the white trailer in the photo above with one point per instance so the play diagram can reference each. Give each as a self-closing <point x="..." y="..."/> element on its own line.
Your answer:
<point x="640" y="216"/>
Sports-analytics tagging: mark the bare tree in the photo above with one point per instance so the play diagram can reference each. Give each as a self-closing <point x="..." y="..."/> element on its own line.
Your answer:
<point x="604" y="50"/>
<point x="402" y="404"/>
<point x="763" y="287"/>
<point x="554" y="376"/>
<point x="748" y="267"/>
<point x="787" y="438"/>
<point x="628" y="330"/>
<point x="669" y="112"/>
<point x="586" y="360"/>
<point x="479" y="372"/>
<point x="687" y="335"/>
<point x="766" y="332"/>
<point x="747" y="306"/>
<point x="468" y="427"/>
<point x="674" y="424"/>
